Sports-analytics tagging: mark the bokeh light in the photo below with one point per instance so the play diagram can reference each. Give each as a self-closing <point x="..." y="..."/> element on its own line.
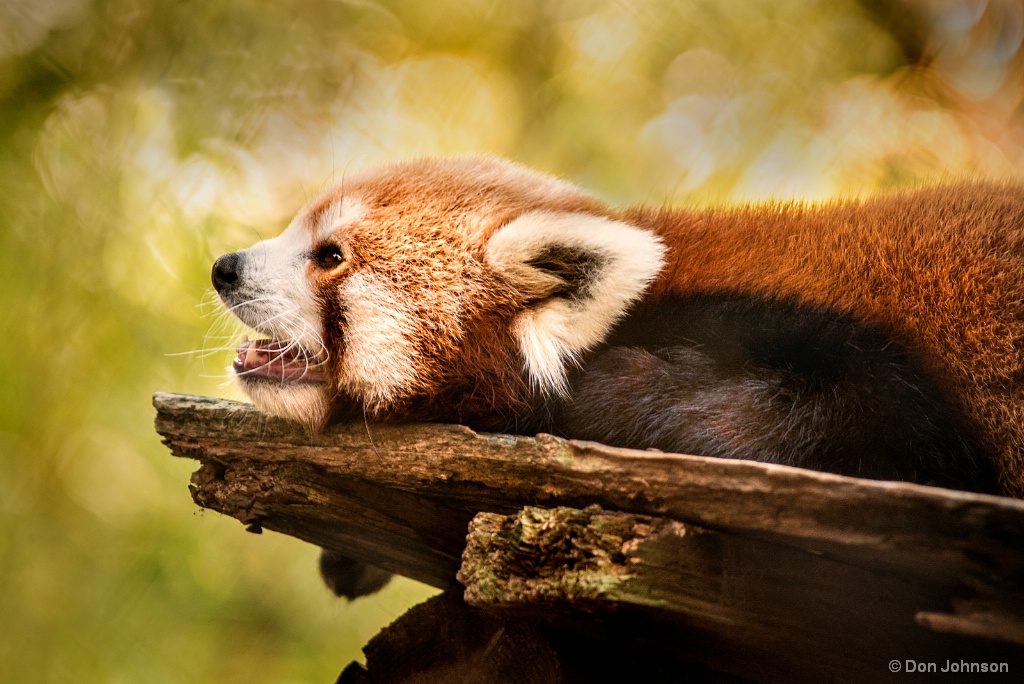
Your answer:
<point x="140" y="139"/>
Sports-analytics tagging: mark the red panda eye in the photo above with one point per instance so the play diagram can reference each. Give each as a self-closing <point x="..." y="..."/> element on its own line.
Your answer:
<point x="328" y="256"/>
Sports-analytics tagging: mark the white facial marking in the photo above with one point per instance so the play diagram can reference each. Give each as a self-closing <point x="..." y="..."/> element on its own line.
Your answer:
<point x="380" y="358"/>
<point x="553" y="333"/>
<point x="338" y="215"/>
<point x="304" y="403"/>
<point x="281" y="303"/>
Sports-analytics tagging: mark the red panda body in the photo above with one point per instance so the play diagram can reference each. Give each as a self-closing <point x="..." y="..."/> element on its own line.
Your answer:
<point x="941" y="270"/>
<point x="879" y="338"/>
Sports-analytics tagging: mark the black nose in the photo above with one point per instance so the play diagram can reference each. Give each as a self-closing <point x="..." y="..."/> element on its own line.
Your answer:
<point x="225" y="271"/>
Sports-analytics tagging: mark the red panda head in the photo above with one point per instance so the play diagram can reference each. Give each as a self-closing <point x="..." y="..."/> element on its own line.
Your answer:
<point x="466" y="281"/>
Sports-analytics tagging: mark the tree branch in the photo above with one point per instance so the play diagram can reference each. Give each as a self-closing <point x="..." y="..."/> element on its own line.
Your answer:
<point x="779" y="564"/>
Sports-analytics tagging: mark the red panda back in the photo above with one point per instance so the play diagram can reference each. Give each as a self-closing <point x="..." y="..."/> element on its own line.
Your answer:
<point x="941" y="268"/>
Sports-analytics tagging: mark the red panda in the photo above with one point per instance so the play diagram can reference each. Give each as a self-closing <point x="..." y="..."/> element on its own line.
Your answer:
<point x="881" y="338"/>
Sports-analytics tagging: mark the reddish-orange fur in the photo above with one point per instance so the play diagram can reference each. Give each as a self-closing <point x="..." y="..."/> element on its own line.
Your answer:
<point x="421" y="219"/>
<point x="942" y="268"/>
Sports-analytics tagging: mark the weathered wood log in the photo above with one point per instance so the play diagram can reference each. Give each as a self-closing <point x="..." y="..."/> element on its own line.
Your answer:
<point x="401" y="497"/>
<point x="446" y="641"/>
<point x="443" y="640"/>
<point x="725" y="601"/>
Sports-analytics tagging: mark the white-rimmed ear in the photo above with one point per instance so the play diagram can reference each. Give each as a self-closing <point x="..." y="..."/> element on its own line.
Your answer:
<point x="579" y="274"/>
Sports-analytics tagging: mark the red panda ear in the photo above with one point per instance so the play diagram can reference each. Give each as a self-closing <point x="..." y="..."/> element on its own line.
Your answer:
<point x="577" y="274"/>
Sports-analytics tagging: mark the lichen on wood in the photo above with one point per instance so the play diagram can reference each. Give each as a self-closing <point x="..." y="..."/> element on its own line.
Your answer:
<point x="541" y="554"/>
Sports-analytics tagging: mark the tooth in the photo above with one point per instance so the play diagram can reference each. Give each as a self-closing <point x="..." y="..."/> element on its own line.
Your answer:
<point x="252" y="357"/>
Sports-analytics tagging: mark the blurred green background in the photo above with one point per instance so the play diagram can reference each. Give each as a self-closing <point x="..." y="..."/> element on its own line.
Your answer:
<point x="139" y="140"/>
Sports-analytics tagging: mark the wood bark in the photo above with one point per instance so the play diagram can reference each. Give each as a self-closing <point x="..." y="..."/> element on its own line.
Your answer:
<point x="732" y="604"/>
<point x="749" y="553"/>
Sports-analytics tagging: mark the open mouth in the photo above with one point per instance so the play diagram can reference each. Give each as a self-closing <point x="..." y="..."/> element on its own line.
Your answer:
<point x="280" y="360"/>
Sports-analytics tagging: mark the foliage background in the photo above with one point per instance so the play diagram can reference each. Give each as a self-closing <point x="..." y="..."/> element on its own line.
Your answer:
<point x="141" y="139"/>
